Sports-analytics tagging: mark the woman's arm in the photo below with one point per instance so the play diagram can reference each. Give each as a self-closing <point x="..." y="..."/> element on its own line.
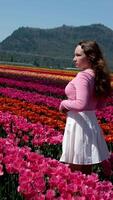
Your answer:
<point x="82" y="94"/>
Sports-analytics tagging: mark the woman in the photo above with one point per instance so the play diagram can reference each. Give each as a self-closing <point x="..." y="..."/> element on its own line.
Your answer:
<point x="83" y="142"/>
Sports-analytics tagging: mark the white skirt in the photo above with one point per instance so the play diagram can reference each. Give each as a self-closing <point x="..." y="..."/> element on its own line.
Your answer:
<point x="83" y="141"/>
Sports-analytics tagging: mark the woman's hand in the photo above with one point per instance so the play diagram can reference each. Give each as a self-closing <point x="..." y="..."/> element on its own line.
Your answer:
<point x="62" y="108"/>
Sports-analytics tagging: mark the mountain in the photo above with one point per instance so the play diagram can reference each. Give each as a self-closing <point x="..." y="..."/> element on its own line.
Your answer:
<point x="53" y="47"/>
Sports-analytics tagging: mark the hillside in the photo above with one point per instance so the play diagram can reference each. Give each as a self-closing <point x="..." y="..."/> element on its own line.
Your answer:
<point x="53" y="47"/>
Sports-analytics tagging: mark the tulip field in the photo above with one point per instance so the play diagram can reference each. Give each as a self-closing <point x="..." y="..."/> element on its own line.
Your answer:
<point x="31" y="130"/>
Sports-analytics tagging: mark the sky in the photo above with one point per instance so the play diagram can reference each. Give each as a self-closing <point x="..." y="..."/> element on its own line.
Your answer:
<point x="53" y="13"/>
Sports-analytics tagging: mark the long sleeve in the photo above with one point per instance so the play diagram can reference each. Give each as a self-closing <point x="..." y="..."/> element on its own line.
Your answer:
<point x="82" y="91"/>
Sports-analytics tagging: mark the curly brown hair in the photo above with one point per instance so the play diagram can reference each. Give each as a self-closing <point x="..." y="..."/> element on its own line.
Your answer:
<point x="99" y="65"/>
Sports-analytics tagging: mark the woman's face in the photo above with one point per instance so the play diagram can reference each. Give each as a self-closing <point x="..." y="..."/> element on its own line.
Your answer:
<point x="80" y="59"/>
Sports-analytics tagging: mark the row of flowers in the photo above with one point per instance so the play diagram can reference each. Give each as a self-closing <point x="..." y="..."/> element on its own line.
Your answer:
<point x="31" y="97"/>
<point x="43" y="114"/>
<point x="59" y="83"/>
<point x="45" y="178"/>
<point x="34" y="113"/>
<point x="35" y="74"/>
<point x="23" y="132"/>
<point x="34" y="98"/>
<point x="36" y="134"/>
<point x="51" y="81"/>
<point x="40" y="88"/>
<point x="39" y="70"/>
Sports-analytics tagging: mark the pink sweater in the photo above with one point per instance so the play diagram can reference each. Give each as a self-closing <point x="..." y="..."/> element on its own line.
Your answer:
<point x="80" y="92"/>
